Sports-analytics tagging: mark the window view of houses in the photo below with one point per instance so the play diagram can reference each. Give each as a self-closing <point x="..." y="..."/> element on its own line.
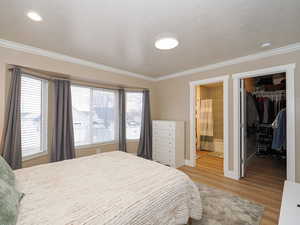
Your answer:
<point x="95" y="115"/>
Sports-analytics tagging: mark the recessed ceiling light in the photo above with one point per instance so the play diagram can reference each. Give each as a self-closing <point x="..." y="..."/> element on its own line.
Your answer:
<point x="166" y="43"/>
<point x="34" y="16"/>
<point x="267" y="44"/>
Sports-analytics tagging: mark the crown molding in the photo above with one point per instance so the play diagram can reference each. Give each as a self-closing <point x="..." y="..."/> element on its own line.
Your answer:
<point x="54" y="55"/>
<point x="66" y="58"/>
<point x="260" y="55"/>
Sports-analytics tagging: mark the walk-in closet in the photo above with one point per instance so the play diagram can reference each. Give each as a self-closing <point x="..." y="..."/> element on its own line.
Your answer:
<point x="264" y="126"/>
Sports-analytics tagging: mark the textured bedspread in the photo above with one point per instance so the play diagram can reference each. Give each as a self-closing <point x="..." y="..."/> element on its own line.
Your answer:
<point x="113" y="188"/>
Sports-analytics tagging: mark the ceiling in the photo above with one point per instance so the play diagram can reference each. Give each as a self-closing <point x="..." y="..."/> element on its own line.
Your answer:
<point x="121" y="34"/>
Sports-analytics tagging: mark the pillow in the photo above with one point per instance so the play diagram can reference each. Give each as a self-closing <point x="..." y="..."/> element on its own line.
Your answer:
<point x="9" y="204"/>
<point x="6" y="173"/>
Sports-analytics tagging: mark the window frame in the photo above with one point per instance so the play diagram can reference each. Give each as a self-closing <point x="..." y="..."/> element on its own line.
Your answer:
<point x="44" y="119"/>
<point x="116" y="136"/>
<point x="132" y="91"/>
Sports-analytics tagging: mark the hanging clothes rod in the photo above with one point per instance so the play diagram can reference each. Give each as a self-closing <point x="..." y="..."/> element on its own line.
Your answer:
<point x="269" y="93"/>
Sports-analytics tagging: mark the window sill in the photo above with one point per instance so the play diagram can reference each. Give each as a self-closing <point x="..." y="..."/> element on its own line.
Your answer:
<point x="33" y="156"/>
<point x="132" y="140"/>
<point x="83" y="147"/>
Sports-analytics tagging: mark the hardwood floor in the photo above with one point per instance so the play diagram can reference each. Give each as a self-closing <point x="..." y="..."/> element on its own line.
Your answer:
<point x="263" y="183"/>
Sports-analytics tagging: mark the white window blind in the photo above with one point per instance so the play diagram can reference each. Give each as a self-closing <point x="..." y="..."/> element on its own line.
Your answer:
<point x="34" y="94"/>
<point x="95" y="116"/>
<point x="134" y="101"/>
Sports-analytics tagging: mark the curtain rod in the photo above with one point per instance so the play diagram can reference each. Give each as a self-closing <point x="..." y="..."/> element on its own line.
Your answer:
<point x="77" y="82"/>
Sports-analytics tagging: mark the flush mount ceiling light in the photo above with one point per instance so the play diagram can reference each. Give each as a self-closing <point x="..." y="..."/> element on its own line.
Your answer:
<point x="166" y="43"/>
<point x="267" y="44"/>
<point x="34" y="16"/>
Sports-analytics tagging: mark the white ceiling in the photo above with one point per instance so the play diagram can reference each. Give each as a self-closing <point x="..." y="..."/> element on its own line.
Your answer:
<point x="121" y="33"/>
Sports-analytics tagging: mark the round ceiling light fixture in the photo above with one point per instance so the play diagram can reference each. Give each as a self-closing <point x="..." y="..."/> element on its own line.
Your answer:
<point x="265" y="45"/>
<point x="34" y="16"/>
<point x="166" y="42"/>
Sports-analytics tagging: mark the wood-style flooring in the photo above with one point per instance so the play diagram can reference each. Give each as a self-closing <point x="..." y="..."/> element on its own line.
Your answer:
<point x="263" y="183"/>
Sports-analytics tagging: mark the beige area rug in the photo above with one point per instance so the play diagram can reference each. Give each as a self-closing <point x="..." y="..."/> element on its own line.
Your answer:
<point x="223" y="208"/>
<point x="216" y="154"/>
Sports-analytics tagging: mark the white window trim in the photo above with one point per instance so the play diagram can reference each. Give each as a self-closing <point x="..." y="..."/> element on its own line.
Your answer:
<point x="44" y="125"/>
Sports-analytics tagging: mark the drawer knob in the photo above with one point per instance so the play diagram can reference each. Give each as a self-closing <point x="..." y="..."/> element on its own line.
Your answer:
<point x="298" y="205"/>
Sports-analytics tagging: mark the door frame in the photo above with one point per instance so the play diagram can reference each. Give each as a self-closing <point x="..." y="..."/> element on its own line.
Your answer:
<point x="289" y="69"/>
<point x="193" y="85"/>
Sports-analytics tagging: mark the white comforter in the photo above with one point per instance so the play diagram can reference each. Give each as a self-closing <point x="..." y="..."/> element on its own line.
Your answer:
<point x="113" y="188"/>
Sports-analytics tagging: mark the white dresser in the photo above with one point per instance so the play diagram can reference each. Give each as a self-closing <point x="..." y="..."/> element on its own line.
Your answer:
<point x="290" y="205"/>
<point x="168" y="142"/>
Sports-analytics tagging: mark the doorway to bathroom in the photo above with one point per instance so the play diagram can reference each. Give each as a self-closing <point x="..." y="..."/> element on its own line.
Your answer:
<point x="209" y="125"/>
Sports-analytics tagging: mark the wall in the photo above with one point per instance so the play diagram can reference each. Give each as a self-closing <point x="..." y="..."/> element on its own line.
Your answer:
<point x="172" y="96"/>
<point x="74" y="71"/>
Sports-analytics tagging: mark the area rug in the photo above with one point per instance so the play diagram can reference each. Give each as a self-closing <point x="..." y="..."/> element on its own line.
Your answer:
<point x="223" y="208"/>
<point x="216" y="154"/>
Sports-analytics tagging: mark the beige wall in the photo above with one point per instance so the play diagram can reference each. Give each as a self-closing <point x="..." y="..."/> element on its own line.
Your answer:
<point x="74" y="71"/>
<point x="172" y="97"/>
<point x="169" y="98"/>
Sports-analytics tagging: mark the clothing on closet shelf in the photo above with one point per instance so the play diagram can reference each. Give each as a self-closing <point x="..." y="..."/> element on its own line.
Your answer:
<point x="279" y="135"/>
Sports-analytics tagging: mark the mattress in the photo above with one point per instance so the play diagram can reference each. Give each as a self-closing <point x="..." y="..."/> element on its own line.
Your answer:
<point x="114" y="188"/>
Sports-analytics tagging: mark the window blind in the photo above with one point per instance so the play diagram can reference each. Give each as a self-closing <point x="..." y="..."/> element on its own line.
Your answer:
<point x="134" y="104"/>
<point x="33" y="115"/>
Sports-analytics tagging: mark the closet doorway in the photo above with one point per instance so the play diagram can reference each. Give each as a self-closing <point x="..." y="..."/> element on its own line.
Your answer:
<point x="264" y="128"/>
<point x="209" y="124"/>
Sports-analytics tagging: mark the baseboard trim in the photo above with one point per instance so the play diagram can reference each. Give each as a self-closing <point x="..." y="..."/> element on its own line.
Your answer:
<point x="188" y="163"/>
<point x="230" y="174"/>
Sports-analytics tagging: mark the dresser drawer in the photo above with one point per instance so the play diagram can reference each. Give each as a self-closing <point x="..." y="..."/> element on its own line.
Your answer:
<point x="163" y="133"/>
<point x="163" y="125"/>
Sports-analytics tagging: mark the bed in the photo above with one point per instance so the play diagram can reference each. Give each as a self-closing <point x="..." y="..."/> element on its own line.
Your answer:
<point x="114" y="188"/>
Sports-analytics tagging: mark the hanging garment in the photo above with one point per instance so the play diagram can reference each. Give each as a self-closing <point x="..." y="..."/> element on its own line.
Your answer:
<point x="251" y="111"/>
<point x="206" y="118"/>
<point x="279" y="135"/>
<point x="266" y="110"/>
<point x="272" y="115"/>
<point x="260" y="104"/>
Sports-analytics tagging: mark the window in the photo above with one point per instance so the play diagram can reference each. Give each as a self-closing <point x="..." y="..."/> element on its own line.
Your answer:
<point x="34" y="95"/>
<point x="94" y="115"/>
<point x="133" y="114"/>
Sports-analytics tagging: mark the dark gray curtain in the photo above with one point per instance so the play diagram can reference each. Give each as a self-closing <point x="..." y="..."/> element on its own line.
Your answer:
<point x="145" y="144"/>
<point x="63" y="134"/>
<point x="122" y="121"/>
<point x="11" y="138"/>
